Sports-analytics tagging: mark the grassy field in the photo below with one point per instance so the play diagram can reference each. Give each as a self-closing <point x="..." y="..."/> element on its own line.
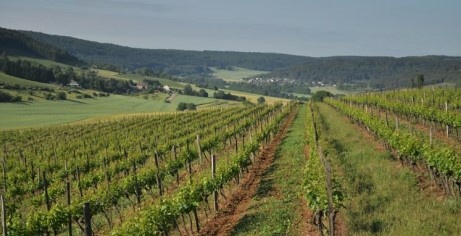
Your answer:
<point x="235" y="75"/>
<point x="8" y="79"/>
<point x="170" y="83"/>
<point x="33" y="114"/>
<point x="39" y="112"/>
<point x="44" y="62"/>
<point x="330" y="89"/>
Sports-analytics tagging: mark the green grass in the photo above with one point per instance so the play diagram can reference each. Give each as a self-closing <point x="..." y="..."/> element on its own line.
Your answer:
<point x="170" y="83"/>
<point x="384" y="198"/>
<point x="33" y="114"/>
<point x="235" y="75"/>
<point x="274" y="209"/>
<point x="8" y="79"/>
<point x="44" y="62"/>
<point x="331" y="89"/>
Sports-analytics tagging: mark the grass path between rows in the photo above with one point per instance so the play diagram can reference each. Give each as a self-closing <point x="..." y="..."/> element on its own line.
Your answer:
<point x="383" y="197"/>
<point x="276" y="208"/>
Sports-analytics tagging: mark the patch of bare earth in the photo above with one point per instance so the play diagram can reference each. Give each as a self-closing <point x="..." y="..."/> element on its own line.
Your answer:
<point x="237" y="204"/>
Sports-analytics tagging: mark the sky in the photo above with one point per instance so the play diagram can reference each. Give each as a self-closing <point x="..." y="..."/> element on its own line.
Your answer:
<point x="301" y="27"/>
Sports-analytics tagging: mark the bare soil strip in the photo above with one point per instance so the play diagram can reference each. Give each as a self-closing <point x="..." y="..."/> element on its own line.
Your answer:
<point x="236" y="205"/>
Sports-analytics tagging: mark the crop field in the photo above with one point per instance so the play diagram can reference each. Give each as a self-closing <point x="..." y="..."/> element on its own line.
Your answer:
<point x="235" y="75"/>
<point x="153" y="161"/>
<point x="33" y="114"/>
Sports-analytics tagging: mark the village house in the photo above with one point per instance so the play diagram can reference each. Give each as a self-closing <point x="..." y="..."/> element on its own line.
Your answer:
<point x="73" y="83"/>
<point x="141" y="86"/>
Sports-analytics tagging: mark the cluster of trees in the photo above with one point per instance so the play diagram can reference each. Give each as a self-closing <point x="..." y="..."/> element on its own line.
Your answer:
<point x="57" y="96"/>
<point x="191" y="92"/>
<point x="6" y="97"/>
<point x="228" y="96"/>
<point x="320" y="95"/>
<point x="419" y="83"/>
<point x="182" y="106"/>
<point x="59" y="75"/>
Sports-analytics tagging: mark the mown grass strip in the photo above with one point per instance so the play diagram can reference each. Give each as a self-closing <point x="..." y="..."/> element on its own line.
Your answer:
<point x="384" y="198"/>
<point x="274" y="210"/>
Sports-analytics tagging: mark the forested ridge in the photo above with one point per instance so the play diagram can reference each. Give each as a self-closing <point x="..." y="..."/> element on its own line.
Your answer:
<point x="16" y="43"/>
<point x="375" y="72"/>
<point x="169" y="61"/>
<point x="347" y="72"/>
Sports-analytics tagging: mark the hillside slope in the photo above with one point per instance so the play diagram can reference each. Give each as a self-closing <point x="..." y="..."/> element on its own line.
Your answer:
<point x="15" y="43"/>
<point x="375" y="72"/>
<point x="167" y="60"/>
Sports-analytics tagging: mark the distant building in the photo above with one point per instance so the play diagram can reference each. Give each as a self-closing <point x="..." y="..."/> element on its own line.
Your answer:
<point x="73" y="83"/>
<point x="166" y="88"/>
<point x="141" y="86"/>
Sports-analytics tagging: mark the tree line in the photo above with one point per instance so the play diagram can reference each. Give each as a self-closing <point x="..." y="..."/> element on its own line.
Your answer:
<point x="63" y="75"/>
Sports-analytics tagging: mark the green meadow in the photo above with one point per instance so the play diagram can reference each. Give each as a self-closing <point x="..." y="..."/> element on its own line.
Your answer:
<point x="235" y="75"/>
<point x="33" y="114"/>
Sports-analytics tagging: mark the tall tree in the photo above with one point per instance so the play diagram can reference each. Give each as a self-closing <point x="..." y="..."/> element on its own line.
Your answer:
<point x="420" y="80"/>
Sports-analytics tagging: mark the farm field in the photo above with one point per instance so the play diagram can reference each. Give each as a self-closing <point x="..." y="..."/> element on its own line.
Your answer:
<point x="381" y="167"/>
<point x="33" y="114"/>
<point x="235" y="75"/>
<point x="126" y="152"/>
<point x="330" y="89"/>
<point x="8" y="79"/>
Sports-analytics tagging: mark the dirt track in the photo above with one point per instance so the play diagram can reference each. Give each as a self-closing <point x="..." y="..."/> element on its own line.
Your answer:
<point x="236" y="205"/>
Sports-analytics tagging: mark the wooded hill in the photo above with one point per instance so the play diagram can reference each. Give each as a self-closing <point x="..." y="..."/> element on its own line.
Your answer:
<point x="347" y="72"/>
<point x="168" y="61"/>
<point x="374" y="72"/>
<point x="16" y="43"/>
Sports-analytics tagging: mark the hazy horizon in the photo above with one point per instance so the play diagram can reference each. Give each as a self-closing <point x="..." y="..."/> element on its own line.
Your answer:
<point x="307" y="28"/>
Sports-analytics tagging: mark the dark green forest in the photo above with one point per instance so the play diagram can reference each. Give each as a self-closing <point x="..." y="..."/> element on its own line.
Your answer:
<point x="13" y="42"/>
<point x="168" y="61"/>
<point x="374" y="72"/>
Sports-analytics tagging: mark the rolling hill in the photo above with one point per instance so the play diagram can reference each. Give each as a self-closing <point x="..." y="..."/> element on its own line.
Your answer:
<point x="169" y="61"/>
<point x="349" y="72"/>
<point x="13" y="42"/>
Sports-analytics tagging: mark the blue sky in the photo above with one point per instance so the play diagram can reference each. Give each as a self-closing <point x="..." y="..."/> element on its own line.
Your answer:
<point x="301" y="27"/>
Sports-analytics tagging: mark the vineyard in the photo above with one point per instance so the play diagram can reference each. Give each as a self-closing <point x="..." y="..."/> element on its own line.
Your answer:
<point x="372" y="163"/>
<point x="150" y="168"/>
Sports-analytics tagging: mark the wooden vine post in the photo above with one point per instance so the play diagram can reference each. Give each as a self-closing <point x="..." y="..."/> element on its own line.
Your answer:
<point x="4" y="229"/>
<point x="213" y="175"/>
<point x="199" y="149"/>
<point x="175" y="157"/>
<point x="47" y="197"/>
<point x="87" y="218"/>
<point x="69" y="223"/>
<point x="331" y="210"/>
<point x="446" y="112"/>
<point x="159" y="180"/>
